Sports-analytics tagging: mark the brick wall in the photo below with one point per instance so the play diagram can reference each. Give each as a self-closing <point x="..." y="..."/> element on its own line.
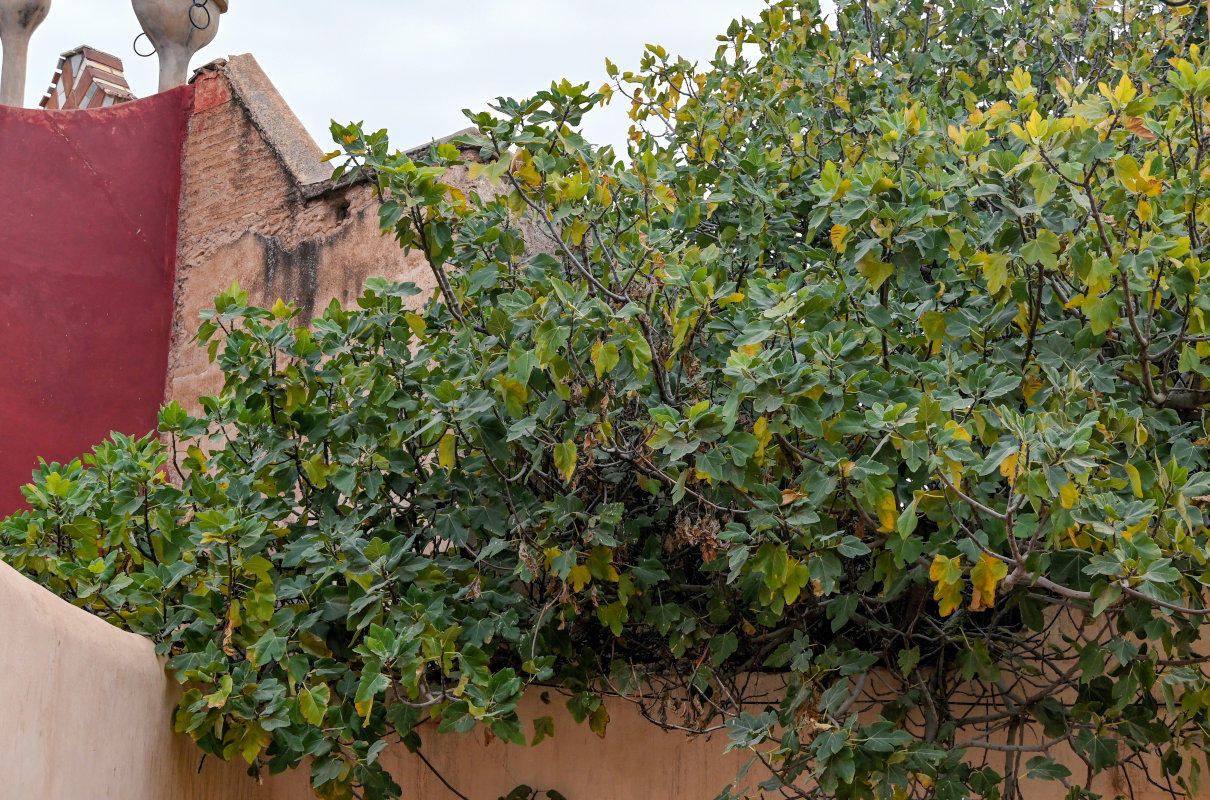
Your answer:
<point x="256" y="207"/>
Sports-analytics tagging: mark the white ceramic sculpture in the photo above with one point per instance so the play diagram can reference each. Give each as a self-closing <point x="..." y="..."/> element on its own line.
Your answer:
<point x="178" y="29"/>
<point x="18" y="19"/>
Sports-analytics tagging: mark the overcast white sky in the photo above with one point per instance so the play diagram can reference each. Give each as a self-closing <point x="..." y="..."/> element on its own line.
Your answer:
<point x="410" y="66"/>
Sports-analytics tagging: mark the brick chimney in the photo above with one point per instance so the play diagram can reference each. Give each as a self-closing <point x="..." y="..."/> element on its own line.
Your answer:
<point x="87" y="78"/>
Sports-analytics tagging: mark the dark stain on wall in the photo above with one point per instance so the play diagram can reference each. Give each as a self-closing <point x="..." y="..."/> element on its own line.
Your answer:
<point x="291" y="274"/>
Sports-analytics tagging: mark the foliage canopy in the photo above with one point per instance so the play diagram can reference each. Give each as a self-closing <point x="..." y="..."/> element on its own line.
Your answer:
<point x="877" y="371"/>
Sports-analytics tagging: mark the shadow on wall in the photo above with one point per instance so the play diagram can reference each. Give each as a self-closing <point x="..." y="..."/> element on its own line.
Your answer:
<point x="292" y="272"/>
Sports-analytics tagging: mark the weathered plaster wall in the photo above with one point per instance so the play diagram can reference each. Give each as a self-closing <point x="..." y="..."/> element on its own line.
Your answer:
<point x="88" y="222"/>
<point x="256" y="207"/>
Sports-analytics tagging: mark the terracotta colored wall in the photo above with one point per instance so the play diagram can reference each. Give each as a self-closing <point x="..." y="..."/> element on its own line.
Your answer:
<point x="88" y="212"/>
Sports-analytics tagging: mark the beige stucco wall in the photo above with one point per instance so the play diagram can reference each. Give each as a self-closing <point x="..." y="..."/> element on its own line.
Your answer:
<point x="86" y="710"/>
<point x="86" y="713"/>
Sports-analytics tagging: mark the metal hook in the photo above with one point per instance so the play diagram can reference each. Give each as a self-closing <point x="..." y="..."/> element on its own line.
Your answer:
<point x="193" y="11"/>
<point x="135" y="46"/>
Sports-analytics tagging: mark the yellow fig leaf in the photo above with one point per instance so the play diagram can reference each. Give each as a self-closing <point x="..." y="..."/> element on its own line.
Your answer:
<point x="565" y="459"/>
<point x="579" y="577"/>
<point x="1068" y="495"/>
<point x="364" y="708"/>
<point x="416" y="323"/>
<point x="838" y="236"/>
<point x="1036" y="126"/>
<point x="575" y="232"/>
<point x="1030" y="387"/>
<point x="945" y="569"/>
<point x="447" y="450"/>
<point x="934" y="326"/>
<point x="1136" y="179"/>
<point x="760" y="429"/>
<point x="1021" y="81"/>
<point x="1125" y="91"/>
<point x="875" y="271"/>
<point x="955" y="470"/>
<point x="1008" y="467"/>
<point x="959" y="431"/>
<point x="888" y="511"/>
<point x="527" y="172"/>
<point x="313" y="704"/>
<point x="946" y="572"/>
<point x="1136" y="480"/>
<point x="219" y="698"/>
<point x="253" y="741"/>
<point x="881" y="185"/>
<point x="604" y="358"/>
<point x="598" y="721"/>
<point x="948" y="597"/>
<point x="999" y="112"/>
<point x="986" y="575"/>
<point x="995" y="270"/>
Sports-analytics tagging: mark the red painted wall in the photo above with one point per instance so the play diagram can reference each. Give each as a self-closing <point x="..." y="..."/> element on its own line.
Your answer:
<point x="88" y="226"/>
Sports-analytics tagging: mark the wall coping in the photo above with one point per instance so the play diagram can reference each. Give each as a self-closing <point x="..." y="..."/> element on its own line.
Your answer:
<point x="299" y="155"/>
